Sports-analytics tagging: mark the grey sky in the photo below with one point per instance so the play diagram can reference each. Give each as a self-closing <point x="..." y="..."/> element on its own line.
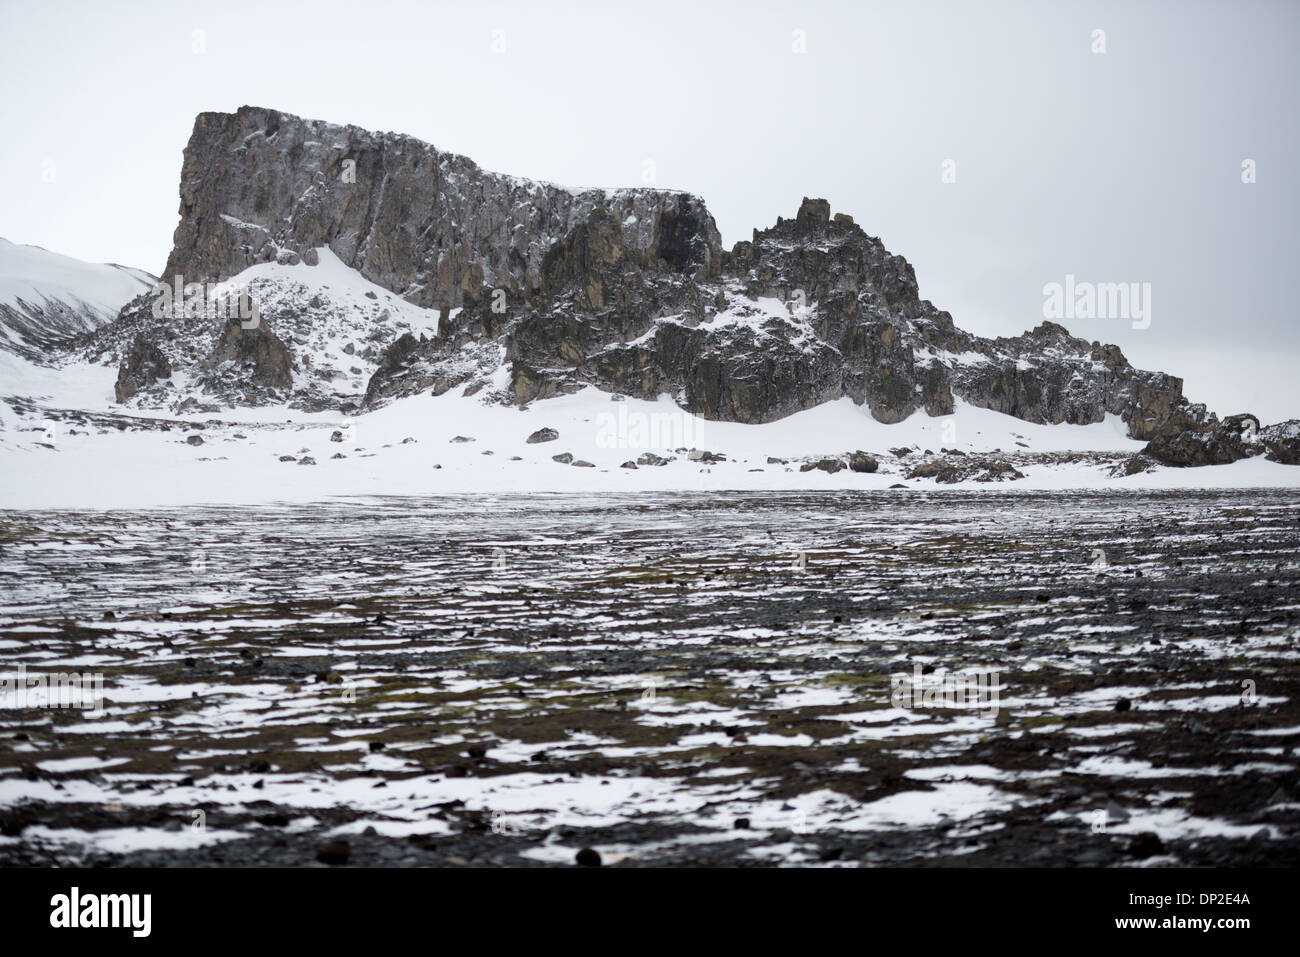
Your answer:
<point x="1115" y="167"/>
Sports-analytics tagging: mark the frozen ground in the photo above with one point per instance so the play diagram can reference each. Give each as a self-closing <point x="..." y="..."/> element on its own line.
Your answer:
<point x="667" y="678"/>
<point x="65" y="444"/>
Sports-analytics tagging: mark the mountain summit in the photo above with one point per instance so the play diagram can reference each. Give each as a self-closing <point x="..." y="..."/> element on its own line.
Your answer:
<point x="382" y="268"/>
<point x="542" y="290"/>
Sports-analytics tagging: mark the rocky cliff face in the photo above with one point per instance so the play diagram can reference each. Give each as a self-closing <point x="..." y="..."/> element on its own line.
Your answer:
<point x="543" y="290"/>
<point x="258" y="185"/>
<point x="808" y="311"/>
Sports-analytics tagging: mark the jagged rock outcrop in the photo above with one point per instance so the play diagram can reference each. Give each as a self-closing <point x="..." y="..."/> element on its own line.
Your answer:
<point x="1282" y="442"/>
<point x="258" y="185"/>
<point x="808" y="311"/>
<point x="143" y="366"/>
<point x="1194" y="436"/>
<point x="254" y="356"/>
<point x="542" y="291"/>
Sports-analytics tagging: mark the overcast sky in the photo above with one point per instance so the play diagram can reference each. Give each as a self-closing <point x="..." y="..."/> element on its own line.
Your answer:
<point x="1122" y="166"/>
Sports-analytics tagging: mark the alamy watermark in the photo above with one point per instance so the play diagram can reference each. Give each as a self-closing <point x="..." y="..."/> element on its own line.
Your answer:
<point x="202" y="300"/>
<point x="647" y="430"/>
<point x="55" y="690"/>
<point x="1098" y="300"/>
<point x="977" y="690"/>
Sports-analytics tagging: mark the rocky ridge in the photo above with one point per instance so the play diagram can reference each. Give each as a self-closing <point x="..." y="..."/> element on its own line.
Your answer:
<point x="542" y="291"/>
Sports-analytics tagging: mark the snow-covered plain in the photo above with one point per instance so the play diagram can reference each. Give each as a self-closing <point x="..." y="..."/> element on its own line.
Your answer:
<point x="406" y="448"/>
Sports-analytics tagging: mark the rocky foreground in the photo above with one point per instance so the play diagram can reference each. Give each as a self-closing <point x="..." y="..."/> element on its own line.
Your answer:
<point x="646" y="680"/>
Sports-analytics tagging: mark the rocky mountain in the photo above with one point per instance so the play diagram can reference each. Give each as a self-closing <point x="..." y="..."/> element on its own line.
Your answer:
<point x="383" y="267"/>
<point x="46" y="298"/>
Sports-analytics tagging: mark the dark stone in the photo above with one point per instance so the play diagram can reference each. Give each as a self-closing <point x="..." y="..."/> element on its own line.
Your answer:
<point x="334" y="853"/>
<point x="143" y="365"/>
<point x="862" y="462"/>
<point x="1144" y="845"/>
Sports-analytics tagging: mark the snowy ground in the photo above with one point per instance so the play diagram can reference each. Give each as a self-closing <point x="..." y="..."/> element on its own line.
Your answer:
<point x="504" y="679"/>
<point x="47" y="456"/>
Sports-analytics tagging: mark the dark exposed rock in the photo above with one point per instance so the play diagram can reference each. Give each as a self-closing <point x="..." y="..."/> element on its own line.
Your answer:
<point x="1147" y="844"/>
<point x="543" y="435"/>
<point x="1193" y="437"/>
<point x="253" y="356"/>
<point x="334" y="852"/>
<point x="852" y="324"/>
<point x="628" y="290"/>
<point x="404" y="214"/>
<point x="587" y="858"/>
<point x="826" y="465"/>
<point x="564" y="458"/>
<point x="1282" y="442"/>
<point x="950" y="470"/>
<point x="708" y="458"/>
<point x="144" y="365"/>
<point x="1134" y="464"/>
<point x="194" y="439"/>
<point x="649" y="458"/>
<point x="862" y="462"/>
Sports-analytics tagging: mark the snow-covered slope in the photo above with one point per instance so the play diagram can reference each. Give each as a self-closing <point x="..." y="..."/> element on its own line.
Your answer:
<point x="46" y="297"/>
<point x="334" y="324"/>
<point x="455" y="444"/>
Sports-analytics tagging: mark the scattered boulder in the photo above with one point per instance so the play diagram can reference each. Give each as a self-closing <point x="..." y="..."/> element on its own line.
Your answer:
<point x="700" y="455"/>
<point x="564" y="458"/>
<point x="543" y="435"/>
<point x="862" y="462"/>
<point x="334" y="853"/>
<point x="1133" y="465"/>
<point x="194" y="439"/>
<point x="583" y="464"/>
<point x="649" y="458"/>
<point x="629" y="464"/>
<point x="1147" y="844"/>
<point x="587" y="858"/>
<point x="830" y="466"/>
<point x="306" y="460"/>
<point x="461" y="439"/>
<point x="949" y="471"/>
